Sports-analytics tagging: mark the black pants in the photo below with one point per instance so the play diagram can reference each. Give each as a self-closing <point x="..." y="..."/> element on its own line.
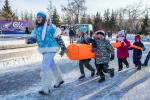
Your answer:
<point x="71" y="39"/>
<point x="147" y="59"/>
<point x="87" y="65"/>
<point x="137" y="61"/>
<point x="102" y="68"/>
<point x="121" y="61"/>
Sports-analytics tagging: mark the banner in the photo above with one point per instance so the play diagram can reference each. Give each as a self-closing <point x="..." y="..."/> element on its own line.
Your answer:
<point x="14" y="27"/>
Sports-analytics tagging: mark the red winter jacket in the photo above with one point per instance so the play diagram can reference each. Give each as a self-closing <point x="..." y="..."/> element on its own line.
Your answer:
<point x="122" y="52"/>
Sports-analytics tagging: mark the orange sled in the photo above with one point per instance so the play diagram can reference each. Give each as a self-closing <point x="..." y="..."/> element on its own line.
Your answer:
<point x="118" y="44"/>
<point x="137" y="47"/>
<point x="80" y="51"/>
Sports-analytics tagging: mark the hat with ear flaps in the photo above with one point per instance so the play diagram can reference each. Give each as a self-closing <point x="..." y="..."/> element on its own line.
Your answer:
<point x="100" y="32"/>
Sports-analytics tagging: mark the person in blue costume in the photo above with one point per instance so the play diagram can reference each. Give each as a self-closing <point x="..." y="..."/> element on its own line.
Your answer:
<point x="47" y="37"/>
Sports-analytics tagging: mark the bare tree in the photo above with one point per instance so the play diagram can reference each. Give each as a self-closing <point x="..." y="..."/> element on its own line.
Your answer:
<point x="75" y="8"/>
<point x="134" y="14"/>
<point x="50" y="10"/>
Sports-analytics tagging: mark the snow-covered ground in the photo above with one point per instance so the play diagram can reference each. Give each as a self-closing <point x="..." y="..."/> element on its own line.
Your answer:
<point x="23" y="83"/>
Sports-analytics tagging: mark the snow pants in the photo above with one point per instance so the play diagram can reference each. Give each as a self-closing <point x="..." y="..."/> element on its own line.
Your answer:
<point x="137" y="61"/>
<point x="49" y="72"/>
<point x="87" y="65"/>
<point x="121" y="61"/>
<point x="102" y="68"/>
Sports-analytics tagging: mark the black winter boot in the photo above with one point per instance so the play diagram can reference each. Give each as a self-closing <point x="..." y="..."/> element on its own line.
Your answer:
<point x="139" y="68"/>
<point x="102" y="79"/>
<point x="127" y="66"/>
<point x="81" y="77"/>
<point x="119" y="69"/>
<point x="92" y="73"/>
<point x="112" y="72"/>
<point x="43" y="93"/>
<point x="60" y="83"/>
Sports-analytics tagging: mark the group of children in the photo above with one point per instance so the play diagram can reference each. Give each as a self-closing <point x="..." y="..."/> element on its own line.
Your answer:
<point x="48" y="40"/>
<point x="105" y="53"/>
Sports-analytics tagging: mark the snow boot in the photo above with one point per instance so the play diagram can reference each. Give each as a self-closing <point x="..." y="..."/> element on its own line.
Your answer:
<point x="112" y="72"/>
<point x="144" y="64"/>
<point x="44" y="93"/>
<point x="81" y="77"/>
<point x="102" y="79"/>
<point x="97" y="73"/>
<point x="59" y="84"/>
<point x="127" y="66"/>
<point x="139" y="68"/>
<point x="119" y="70"/>
<point x="92" y="73"/>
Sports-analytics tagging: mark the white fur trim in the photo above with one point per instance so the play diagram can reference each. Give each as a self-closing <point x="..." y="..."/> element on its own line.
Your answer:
<point x="57" y="75"/>
<point x="46" y="80"/>
<point x="50" y="49"/>
<point x="44" y="31"/>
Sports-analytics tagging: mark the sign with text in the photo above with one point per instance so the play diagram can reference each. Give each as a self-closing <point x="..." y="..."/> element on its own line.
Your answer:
<point x="14" y="27"/>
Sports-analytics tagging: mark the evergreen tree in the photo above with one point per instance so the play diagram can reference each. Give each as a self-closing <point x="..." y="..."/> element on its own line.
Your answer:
<point x="22" y="15"/>
<point x="16" y="15"/>
<point x="30" y="16"/>
<point x="97" y="22"/>
<point x="89" y="20"/>
<point x="113" y="21"/>
<point x="106" y="20"/>
<point x="83" y="19"/>
<point x="6" y="12"/>
<point x="56" y="18"/>
<point x="26" y="15"/>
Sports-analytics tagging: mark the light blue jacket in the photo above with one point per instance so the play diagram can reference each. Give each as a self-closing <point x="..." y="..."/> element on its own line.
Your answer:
<point x="49" y="44"/>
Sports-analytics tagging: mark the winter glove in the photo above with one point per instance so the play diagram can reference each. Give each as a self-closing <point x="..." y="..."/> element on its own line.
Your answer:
<point x="120" y="39"/>
<point x="144" y="49"/>
<point x="93" y="49"/>
<point x="61" y="53"/>
<point x="112" y="57"/>
<point x="31" y="40"/>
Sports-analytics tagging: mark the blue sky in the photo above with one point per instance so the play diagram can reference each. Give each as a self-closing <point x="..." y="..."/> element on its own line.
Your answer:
<point x="92" y="5"/>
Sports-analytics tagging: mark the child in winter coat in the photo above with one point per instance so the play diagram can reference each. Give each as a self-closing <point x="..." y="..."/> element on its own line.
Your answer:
<point x="122" y="51"/>
<point x="45" y="35"/>
<point x="137" y="54"/>
<point x="84" y="39"/>
<point x="104" y="53"/>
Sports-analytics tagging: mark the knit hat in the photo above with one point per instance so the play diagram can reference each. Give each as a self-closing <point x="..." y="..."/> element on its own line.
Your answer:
<point x="137" y="37"/>
<point x="100" y="32"/>
<point x="42" y="14"/>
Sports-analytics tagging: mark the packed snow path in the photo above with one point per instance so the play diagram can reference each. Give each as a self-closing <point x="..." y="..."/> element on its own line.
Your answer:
<point x="23" y="83"/>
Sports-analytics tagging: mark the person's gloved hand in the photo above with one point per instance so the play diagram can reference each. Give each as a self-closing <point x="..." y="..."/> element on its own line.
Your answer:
<point x="112" y="57"/>
<point x="120" y="39"/>
<point x="31" y="40"/>
<point x="93" y="49"/>
<point x="61" y="53"/>
<point x="144" y="49"/>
